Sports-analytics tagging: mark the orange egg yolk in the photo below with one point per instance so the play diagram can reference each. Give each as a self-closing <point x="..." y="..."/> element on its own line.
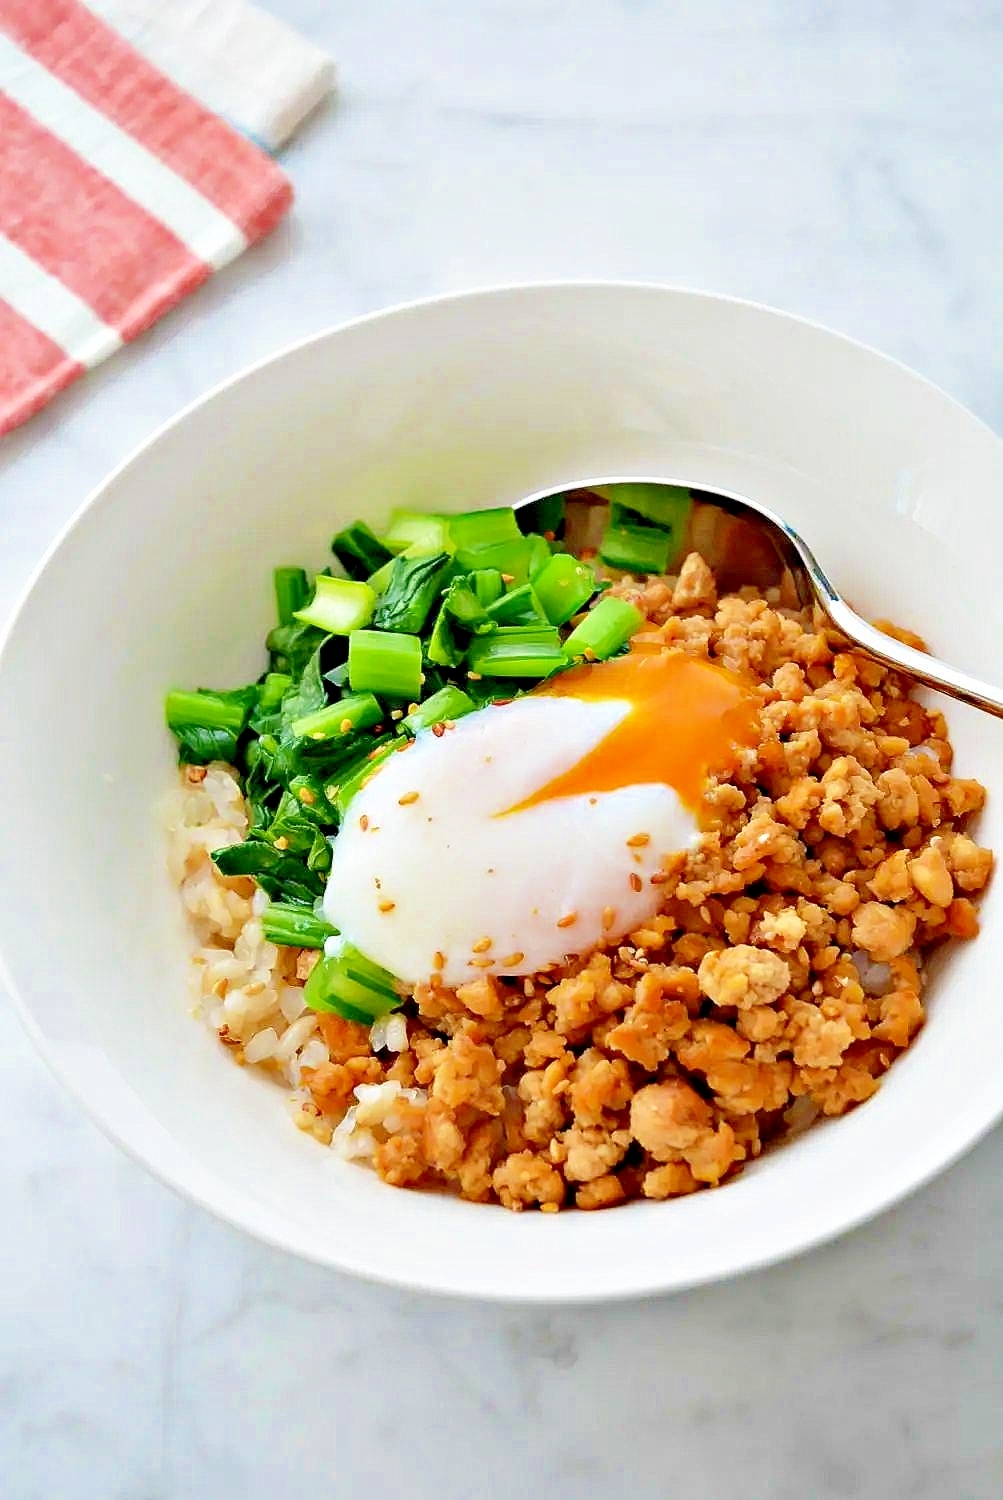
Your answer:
<point x="687" y="720"/>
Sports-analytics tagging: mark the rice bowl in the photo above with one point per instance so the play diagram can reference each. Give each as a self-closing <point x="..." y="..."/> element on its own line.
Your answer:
<point x="640" y="381"/>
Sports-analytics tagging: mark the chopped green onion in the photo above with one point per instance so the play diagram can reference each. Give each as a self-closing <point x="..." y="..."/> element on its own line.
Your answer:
<point x="291" y="592"/>
<point x="564" y="587"/>
<point x="294" y="926"/>
<point x="339" y="605"/>
<point x="347" y="716"/>
<point x="380" y="662"/>
<point x="620" y="516"/>
<point x="414" y="528"/>
<point x="443" y="649"/>
<point x="665" y="505"/>
<point x="272" y="691"/>
<point x="542" y="515"/>
<point x="483" y="528"/>
<point x="205" y="709"/>
<point x="636" y="549"/>
<point x="517" y="651"/>
<point x="411" y="591"/>
<point x="380" y="580"/>
<point x="448" y="703"/>
<point x="487" y="585"/>
<point x="539" y="556"/>
<point x="519" y="606"/>
<point x="356" y="776"/>
<point x="607" y="626"/>
<point x="359" y="550"/>
<point x="351" y="985"/>
<point x="511" y="557"/>
<point x="462" y="605"/>
<point x="208" y="725"/>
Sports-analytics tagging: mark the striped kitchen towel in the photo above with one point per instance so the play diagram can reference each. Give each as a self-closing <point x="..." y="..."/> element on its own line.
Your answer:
<point x="120" y="192"/>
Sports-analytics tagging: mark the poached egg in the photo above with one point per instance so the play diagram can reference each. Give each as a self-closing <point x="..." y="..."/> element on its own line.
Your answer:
<point x="535" y="829"/>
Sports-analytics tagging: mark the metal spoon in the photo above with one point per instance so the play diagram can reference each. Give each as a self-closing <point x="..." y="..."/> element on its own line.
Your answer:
<point x="756" y="546"/>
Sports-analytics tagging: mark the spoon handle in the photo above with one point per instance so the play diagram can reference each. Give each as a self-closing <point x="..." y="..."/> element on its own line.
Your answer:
<point x="925" y="669"/>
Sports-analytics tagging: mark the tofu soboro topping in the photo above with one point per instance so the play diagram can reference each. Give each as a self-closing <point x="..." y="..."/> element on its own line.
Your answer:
<point x="780" y="979"/>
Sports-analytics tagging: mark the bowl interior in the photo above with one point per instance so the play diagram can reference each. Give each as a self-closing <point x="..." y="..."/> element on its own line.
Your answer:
<point x="164" y="580"/>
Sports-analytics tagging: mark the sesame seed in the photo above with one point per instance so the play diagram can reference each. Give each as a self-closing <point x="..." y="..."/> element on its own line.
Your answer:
<point x="438" y="730"/>
<point x="568" y="920"/>
<point x="659" y="877"/>
<point x="512" y="960"/>
<point x="438" y="960"/>
<point x="638" y="840"/>
<point x="481" y="963"/>
<point x="608" y="918"/>
<point x="549" y="1208"/>
<point x="635" y="881"/>
<point x="396" y="713"/>
<point x="282" y="842"/>
<point x="306" y="796"/>
<point x="508" y="578"/>
<point x="482" y="945"/>
<point x="386" y="906"/>
<point x="475" y="676"/>
<point x="345" y="726"/>
<point x="412" y="708"/>
<point x="589" y="654"/>
<point x="363" y="822"/>
<point x="449" y="723"/>
<point x="407" y="799"/>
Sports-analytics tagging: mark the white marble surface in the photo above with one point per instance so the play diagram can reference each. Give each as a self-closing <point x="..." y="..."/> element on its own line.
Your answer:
<point x="842" y="160"/>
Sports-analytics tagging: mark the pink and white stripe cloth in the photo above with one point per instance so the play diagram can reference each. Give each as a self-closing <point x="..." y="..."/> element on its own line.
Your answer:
<point x="119" y="193"/>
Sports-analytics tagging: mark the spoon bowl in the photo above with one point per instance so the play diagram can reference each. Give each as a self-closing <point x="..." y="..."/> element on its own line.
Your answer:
<point x="745" y="542"/>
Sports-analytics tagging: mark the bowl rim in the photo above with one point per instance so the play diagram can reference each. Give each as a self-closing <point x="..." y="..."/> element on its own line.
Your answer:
<point x="953" y="1146"/>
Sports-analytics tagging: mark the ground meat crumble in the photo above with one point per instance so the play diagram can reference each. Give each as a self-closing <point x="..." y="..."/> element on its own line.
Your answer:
<point x="784" y="972"/>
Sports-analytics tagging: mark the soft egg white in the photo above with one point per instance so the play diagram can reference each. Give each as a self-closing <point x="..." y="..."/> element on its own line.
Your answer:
<point x="418" y="883"/>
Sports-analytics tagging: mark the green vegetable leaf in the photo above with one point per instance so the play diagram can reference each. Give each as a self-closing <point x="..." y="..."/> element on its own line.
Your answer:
<point x="281" y="876"/>
<point x="291" y="646"/>
<point x="414" y="584"/>
<point x="309" y="694"/>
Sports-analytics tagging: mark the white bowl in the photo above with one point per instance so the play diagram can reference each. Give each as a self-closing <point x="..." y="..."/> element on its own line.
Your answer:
<point x="164" y="579"/>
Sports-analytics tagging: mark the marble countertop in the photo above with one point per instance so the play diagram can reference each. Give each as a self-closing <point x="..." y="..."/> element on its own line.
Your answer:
<point x="839" y="160"/>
